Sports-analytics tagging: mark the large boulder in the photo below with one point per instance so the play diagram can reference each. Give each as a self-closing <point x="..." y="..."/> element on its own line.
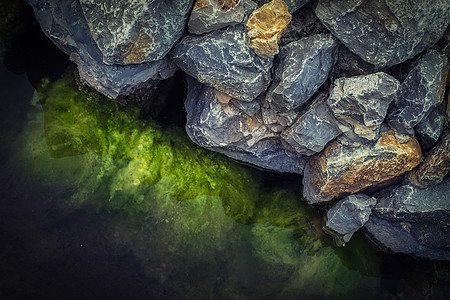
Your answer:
<point x="340" y="170"/>
<point x="215" y="123"/>
<point x="222" y="59"/>
<point x="411" y="220"/>
<point x="385" y="32"/>
<point x="303" y="67"/>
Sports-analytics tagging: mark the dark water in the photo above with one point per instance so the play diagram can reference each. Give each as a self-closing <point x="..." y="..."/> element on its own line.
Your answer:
<point x="83" y="215"/>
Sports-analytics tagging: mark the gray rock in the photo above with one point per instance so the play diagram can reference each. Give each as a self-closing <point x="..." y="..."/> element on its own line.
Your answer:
<point x="347" y="216"/>
<point x="209" y="15"/>
<point x="411" y="220"/>
<point x="223" y="60"/>
<point x="135" y="31"/>
<point x="249" y="6"/>
<point x="218" y="125"/>
<point x="275" y="120"/>
<point x="422" y="88"/>
<point x="314" y="128"/>
<point x="430" y="128"/>
<point x="360" y="104"/>
<point x="385" y="32"/>
<point x="303" y="67"/>
<point x="249" y="108"/>
<point x="64" y="23"/>
<point x="293" y="5"/>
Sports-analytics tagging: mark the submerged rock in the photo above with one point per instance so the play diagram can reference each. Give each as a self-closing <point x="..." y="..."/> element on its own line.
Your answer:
<point x="430" y="128"/>
<point x="346" y="169"/>
<point x="223" y="60"/>
<point x="347" y="216"/>
<point x="265" y="26"/>
<point x="411" y="220"/>
<point x="303" y="67"/>
<point x="213" y="122"/>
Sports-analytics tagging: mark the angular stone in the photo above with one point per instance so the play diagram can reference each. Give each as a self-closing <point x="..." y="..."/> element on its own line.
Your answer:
<point x="265" y="26"/>
<point x="218" y="125"/>
<point x="209" y="15"/>
<point x="249" y="108"/>
<point x="360" y="104"/>
<point x="136" y="31"/>
<point x="293" y="5"/>
<point x="347" y="216"/>
<point x="341" y="170"/>
<point x="385" y="32"/>
<point x="223" y="60"/>
<point x="430" y="128"/>
<point x="422" y="88"/>
<point x="312" y="131"/>
<point x="411" y="220"/>
<point x="303" y="67"/>
<point x="435" y="167"/>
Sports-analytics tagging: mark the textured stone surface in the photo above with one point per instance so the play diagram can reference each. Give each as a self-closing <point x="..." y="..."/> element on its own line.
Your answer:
<point x="340" y="170"/>
<point x="422" y="88"/>
<point x="385" y="32"/>
<point x="360" y="104"/>
<point x="265" y="26"/>
<point x="135" y="31"/>
<point x="312" y="130"/>
<point x="223" y="60"/>
<point x="209" y="15"/>
<point x="411" y="220"/>
<point x="293" y="5"/>
<point x="218" y="125"/>
<point x="430" y="128"/>
<point x="277" y="121"/>
<point x="303" y="67"/>
<point x="347" y="216"/>
<point x="435" y="166"/>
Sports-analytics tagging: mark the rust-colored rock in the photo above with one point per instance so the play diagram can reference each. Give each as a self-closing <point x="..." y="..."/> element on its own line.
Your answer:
<point x="265" y="26"/>
<point x="341" y="170"/>
<point x="435" y="166"/>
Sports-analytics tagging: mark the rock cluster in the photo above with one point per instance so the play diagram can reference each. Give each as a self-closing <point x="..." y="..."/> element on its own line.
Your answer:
<point x="347" y="93"/>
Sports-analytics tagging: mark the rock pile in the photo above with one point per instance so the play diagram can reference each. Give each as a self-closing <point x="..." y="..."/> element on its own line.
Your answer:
<point x="349" y="94"/>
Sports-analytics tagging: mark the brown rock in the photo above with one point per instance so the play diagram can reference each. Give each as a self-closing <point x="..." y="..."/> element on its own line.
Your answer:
<point x="341" y="170"/>
<point x="435" y="166"/>
<point x="265" y="26"/>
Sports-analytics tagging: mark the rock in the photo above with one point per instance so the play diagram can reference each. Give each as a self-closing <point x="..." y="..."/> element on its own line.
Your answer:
<point x="385" y="32"/>
<point x="249" y="108"/>
<point x="64" y="23"/>
<point x="218" y="125"/>
<point x="209" y="15"/>
<point x="435" y="167"/>
<point x="349" y="64"/>
<point x="277" y="121"/>
<point x="265" y="26"/>
<point x="360" y="104"/>
<point x="341" y="169"/>
<point x="411" y="220"/>
<point x="303" y="67"/>
<point x="223" y="60"/>
<point x="137" y="31"/>
<point x="249" y="6"/>
<point x="312" y="131"/>
<point x="293" y="5"/>
<point x="430" y="128"/>
<point x="347" y="216"/>
<point x="422" y="88"/>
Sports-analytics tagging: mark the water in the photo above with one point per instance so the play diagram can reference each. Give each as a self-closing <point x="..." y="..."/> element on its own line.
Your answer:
<point x="98" y="202"/>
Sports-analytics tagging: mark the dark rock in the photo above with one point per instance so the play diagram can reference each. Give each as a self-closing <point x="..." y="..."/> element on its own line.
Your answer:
<point x="422" y="88"/>
<point x="275" y="120"/>
<point x="303" y="67"/>
<point x="249" y="6"/>
<point x="223" y="60"/>
<point x="360" y="104"/>
<point x="347" y="216"/>
<point x="435" y="167"/>
<point x="312" y="131"/>
<point x="218" y="125"/>
<point x="411" y="220"/>
<point x="340" y="170"/>
<point x="349" y="64"/>
<point x="292" y="4"/>
<point x="430" y="128"/>
<point x="249" y="108"/>
<point x="385" y="32"/>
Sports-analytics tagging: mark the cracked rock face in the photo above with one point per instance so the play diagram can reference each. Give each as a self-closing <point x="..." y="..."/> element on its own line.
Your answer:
<point x="341" y="169"/>
<point x="215" y="123"/>
<point x="222" y="59"/>
<point x="303" y="67"/>
<point x="430" y="128"/>
<point x="411" y="220"/>
<point x="385" y="32"/>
